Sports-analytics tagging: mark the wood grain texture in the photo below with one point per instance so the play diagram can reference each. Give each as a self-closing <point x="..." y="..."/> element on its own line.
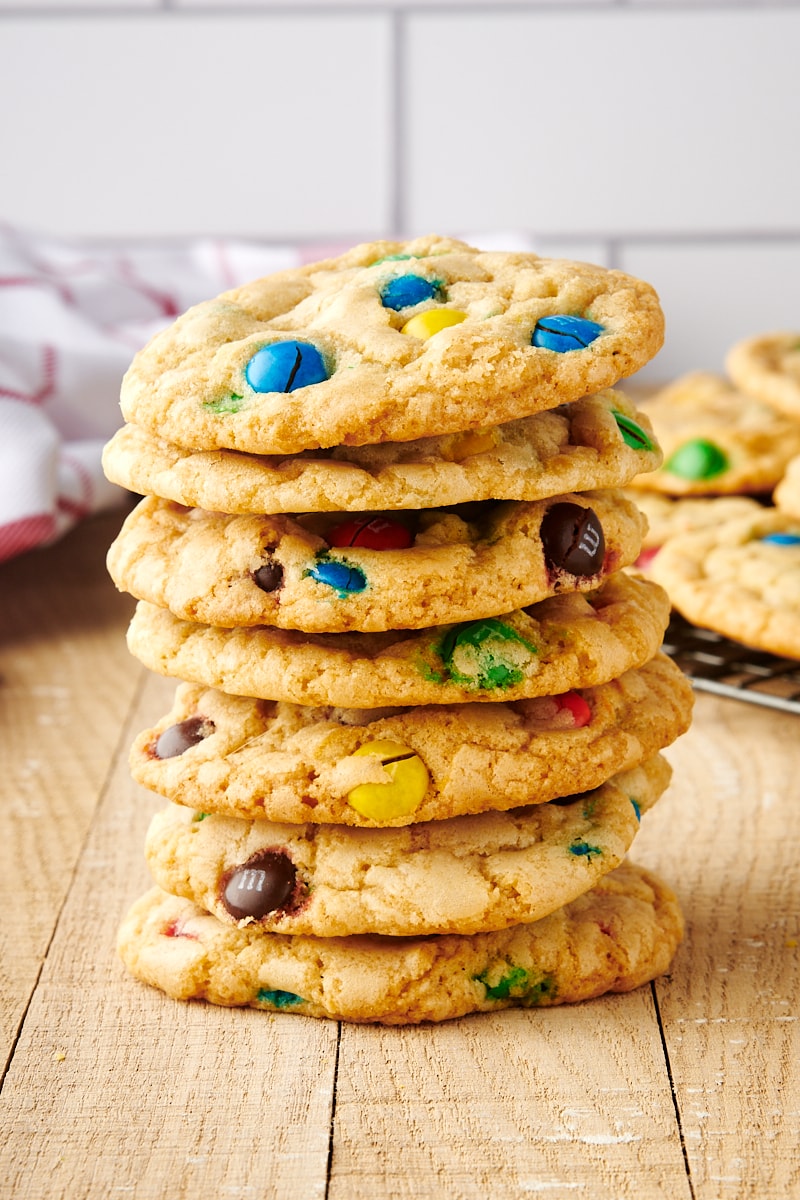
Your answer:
<point x="66" y="685"/>
<point x="114" y="1089"/>
<point x="688" y="1090"/>
<point x="729" y="838"/>
<point x="571" y="1101"/>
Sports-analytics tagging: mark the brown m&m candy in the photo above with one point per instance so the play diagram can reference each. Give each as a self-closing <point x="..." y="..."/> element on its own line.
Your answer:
<point x="572" y="539"/>
<point x="264" y="884"/>
<point x="179" y="738"/>
<point x="269" y="577"/>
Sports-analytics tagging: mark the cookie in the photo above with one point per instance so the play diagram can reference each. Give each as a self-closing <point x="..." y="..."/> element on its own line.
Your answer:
<point x="596" y="442"/>
<point x="787" y="494"/>
<point x="717" y="440"/>
<point x="615" y="937"/>
<point x="463" y="875"/>
<point x="768" y="366"/>
<point x="567" y="641"/>
<point x="245" y="758"/>
<point x="392" y="341"/>
<point x="333" y="573"/>
<point x="667" y="517"/>
<point x="741" y="579"/>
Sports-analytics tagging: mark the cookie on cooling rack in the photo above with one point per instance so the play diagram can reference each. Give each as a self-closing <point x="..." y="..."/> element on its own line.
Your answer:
<point x="667" y="517"/>
<point x="392" y="341"/>
<point x="741" y="579"/>
<point x="717" y="440"/>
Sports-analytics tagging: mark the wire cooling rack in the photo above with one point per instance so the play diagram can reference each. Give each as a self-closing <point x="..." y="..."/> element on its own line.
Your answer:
<point x="716" y="664"/>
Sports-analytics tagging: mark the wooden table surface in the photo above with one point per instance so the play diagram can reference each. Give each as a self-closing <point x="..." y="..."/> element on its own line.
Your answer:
<point x="685" y="1089"/>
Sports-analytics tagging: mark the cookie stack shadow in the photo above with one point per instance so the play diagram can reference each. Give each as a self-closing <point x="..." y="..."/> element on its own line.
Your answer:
<point x="422" y="702"/>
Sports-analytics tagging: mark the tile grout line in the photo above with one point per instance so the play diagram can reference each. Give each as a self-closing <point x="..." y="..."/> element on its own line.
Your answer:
<point x="102" y="791"/>
<point x="670" y="1077"/>
<point x="398" y="174"/>
<point x="416" y="8"/>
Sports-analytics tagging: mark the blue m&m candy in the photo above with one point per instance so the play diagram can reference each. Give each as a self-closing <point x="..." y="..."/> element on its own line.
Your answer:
<point x="284" y="367"/>
<point x="782" y="539"/>
<point x="339" y="575"/>
<point x="562" y="333"/>
<point x="407" y="290"/>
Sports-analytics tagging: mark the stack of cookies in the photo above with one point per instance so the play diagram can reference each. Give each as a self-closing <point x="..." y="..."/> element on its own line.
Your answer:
<point x="382" y="543"/>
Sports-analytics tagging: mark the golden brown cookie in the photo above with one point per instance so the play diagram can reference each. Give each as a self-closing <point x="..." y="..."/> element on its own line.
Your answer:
<point x="741" y="579"/>
<point x="242" y="757"/>
<point x="667" y="517"/>
<point x="613" y="938"/>
<point x="596" y="442"/>
<point x="768" y="366"/>
<point x="462" y="875"/>
<point x="333" y="573"/>
<point x="716" y="440"/>
<point x="392" y="341"/>
<point x="561" y="643"/>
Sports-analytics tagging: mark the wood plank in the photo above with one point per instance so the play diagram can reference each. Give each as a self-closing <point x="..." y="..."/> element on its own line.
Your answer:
<point x="115" y="1089"/>
<point x="571" y="1101"/>
<point x="728" y="836"/>
<point x="66" y="686"/>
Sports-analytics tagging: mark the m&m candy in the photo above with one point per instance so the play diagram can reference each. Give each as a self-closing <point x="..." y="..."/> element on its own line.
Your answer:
<point x="285" y="367"/>
<point x="425" y="324"/>
<point x="562" y="333"/>
<point x="404" y="789"/>
<point x="407" y="290"/>
<point x="379" y="533"/>
<point x="342" y="577"/>
<point x="698" y="459"/>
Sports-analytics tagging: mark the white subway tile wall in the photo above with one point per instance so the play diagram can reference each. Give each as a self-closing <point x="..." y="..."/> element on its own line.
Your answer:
<point x="659" y="136"/>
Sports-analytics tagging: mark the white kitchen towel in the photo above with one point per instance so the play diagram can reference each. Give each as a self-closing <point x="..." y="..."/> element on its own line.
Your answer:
<point x="72" y="316"/>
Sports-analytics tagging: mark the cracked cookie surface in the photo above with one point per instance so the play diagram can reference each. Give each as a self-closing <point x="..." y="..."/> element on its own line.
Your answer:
<point x="371" y="571"/>
<point x="571" y="639"/>
<point x="615" y="937"/>
<point x="332" y="354"/>
<point x="242" y="757"/>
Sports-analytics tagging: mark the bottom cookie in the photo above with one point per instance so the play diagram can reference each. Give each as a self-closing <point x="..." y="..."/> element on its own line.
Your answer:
<point x="621" y="934"/>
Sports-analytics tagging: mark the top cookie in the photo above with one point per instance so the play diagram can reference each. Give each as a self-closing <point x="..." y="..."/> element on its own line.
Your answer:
<point x="717" y="440"/>
<point x="768" y="366"/>
<point x="391" y="341"/>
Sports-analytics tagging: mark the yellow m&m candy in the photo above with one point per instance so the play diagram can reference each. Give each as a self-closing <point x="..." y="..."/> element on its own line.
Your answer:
<point x="404" y="790"/>
<point x="426" y="324"/>
<point x="464" y="445"/>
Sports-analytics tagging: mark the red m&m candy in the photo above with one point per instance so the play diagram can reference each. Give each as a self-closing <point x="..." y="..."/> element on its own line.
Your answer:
<point x="380" y="533"/>
<point x="575" y="703"/>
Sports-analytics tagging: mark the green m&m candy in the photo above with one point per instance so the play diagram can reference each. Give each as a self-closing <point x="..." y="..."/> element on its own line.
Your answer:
<point x="698" y="459"/>
<point x="632" y="434"/>
<point x="486" y="654"/>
